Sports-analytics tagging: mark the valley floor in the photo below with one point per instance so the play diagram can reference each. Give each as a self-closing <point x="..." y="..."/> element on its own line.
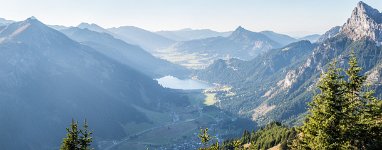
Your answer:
<point x="178" y="130"/>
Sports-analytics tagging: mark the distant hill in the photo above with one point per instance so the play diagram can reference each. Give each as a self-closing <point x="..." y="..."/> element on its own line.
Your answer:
<point x="312" y="38"/>
<point x="329" y="34"/>
<point x="58" y="27"/>
<point x="93" y="27"/>
<point x="280" y="38"/>
<point x="147" y="40"/>
<point x="234" y="70"/>
<point x="5" y="22"/>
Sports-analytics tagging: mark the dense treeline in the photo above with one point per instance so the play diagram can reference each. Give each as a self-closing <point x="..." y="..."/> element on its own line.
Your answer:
<point x="343" y="115"/>
<point x="271" y="135"/>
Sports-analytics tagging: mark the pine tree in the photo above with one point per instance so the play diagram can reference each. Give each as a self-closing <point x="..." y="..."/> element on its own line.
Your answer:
<point x="369" y="134"/>
<point x="77" y="139"/>
<point x="237" y="144"/>
<point x="355" y="104"/>
<point x="364" y="111"/>
<point x="85" y="139"/>
<point x="322" y="128"/>
<point x="215" y="146"/>
<point x="345" y="115"/>
<point x="204" y="136"/>
<point x="246" y="138"/>
<point x="71" y="141"/>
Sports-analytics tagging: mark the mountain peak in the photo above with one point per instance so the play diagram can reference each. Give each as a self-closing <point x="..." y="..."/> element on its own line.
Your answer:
<point x="32" y="20"/>
<point x="32" y="32"/>
<point x="363" y="9"/>
<point x="365" y="22"/>
<point x="361" y="4"/>
<point x="240" y="28"/>
<point x="87" y="25"/>
<point x="241" y="34"/>
<point x="240" y="31"/>
<point x="17" y="28"/>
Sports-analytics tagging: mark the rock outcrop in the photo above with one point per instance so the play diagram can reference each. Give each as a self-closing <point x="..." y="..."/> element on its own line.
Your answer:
<point x="365" y="22"/>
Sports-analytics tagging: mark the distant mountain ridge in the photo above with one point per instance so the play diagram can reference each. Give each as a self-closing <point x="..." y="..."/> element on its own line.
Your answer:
<point x="312" y="38"/>
<point x="5" y="22"/>
<point x="329" y="34"/>
<point x="236" y="70"/>
<point x="127" y="54"/>
<point x="242" y="44"/>
<point x="93" y="27"/>
<point x="146" y="39"/>
<point x="280" y="38"/>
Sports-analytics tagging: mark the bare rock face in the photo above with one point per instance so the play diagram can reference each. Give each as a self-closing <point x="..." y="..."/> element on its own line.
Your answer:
<point x="365" y="22"/>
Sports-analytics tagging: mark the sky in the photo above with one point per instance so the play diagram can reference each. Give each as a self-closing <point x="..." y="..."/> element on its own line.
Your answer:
<point x="293" y="17"/>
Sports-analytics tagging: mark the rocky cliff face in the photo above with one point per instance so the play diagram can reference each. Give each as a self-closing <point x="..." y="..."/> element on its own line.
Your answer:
<point x="365" y="22"/>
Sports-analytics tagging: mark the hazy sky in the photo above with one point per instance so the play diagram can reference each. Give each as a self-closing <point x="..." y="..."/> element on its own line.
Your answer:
<point x="294" y="17"/>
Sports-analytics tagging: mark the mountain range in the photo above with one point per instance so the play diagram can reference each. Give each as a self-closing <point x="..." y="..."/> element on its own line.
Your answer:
<point x="147" y="40"/>
<point x="278" y="84"/>
<point x="53" y="74"/>
<point x="196" y="49"/>
<point x="47" y="79"/>
<point x="242" y="44"/>
<point x="125" y="53"/>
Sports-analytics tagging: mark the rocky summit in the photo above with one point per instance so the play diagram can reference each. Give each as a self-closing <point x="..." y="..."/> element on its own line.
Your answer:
<point x="365" y="22"/>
